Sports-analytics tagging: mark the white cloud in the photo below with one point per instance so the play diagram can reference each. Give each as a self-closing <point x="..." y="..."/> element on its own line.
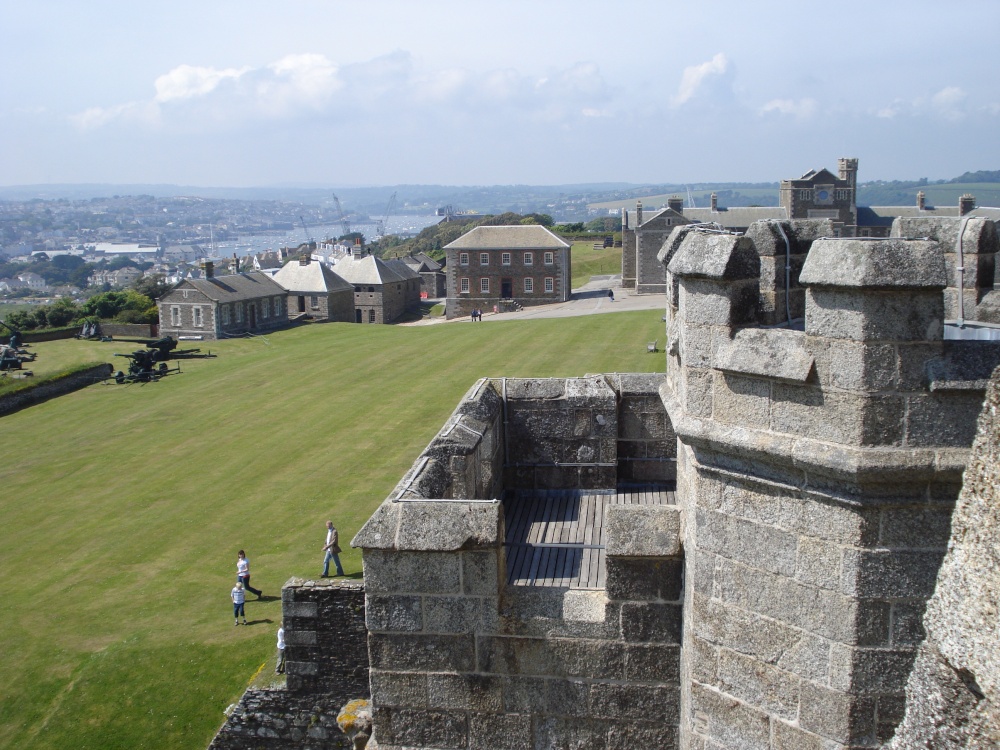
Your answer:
<point x="697" y="78"/>
<point x="949" y="102"/>
<point x="188" y="81"/>
<point x="309" y="83"/>
<point x="800" y="109"/>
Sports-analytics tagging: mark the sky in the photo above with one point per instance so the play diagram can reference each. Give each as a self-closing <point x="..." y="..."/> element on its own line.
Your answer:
<point x="466" y="92"/>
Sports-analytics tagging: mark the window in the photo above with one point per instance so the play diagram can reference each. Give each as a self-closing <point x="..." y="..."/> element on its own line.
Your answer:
<point x="175" y="315"/>
<point x="505" y="259"/>
<point x="484" y="285"/>
<point x="371" y="316"/>
<point x="463" y="286"/>
<point x="277" y="307"/>
<point x="484" y="259"/>
<point x="225" y="314"/>
<point x="357" y="289"/>
<point x="529" y="285"/>
<point x="549" y="259"/>
<point x="239" y="312"/>
<point x="549" y="284"/>
<point x="199" y="320"/>
<point x="265" y="308"/>
<point x="463" y="259"/>
<point x="313" y="301"/>
<point x="529" y="259"/>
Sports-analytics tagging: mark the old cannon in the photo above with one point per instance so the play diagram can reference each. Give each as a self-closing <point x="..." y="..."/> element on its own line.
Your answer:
<point x="143" y="367"/>
<point x="163" y="348"/>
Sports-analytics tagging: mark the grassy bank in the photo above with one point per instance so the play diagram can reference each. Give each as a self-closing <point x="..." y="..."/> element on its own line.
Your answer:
<point x="589" y="262"/>
<point x="124" y="506"/>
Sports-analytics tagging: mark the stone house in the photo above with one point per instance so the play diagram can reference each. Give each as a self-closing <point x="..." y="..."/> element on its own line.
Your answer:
<point x="500" y="266"/>
<point x="215" y="307"/>
<point x="382" y="292"/>
<point x="433" y="282"/>
<point x="641" y="270"/>
<point x="314" y="290"/>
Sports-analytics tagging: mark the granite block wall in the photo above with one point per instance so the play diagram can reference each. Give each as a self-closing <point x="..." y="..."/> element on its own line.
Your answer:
<point x="326" y="665"/>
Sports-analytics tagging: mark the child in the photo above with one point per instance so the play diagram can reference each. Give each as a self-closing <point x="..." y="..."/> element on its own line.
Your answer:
<point x="238" y="596"/>
<point x="279" y="668"/>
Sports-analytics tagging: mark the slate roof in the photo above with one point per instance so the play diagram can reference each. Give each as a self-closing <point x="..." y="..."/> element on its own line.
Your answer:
<point x="421" y="262"/>
<point x="234" y="288"/>
<point x="660" y="215"/>
<point x="367" y="270"/>
<point x="518" y="237"/>
<point x="736" y="216"/>
<point x="882" y="216"/>
<point x="314" y="278"/>
<point x="402" y="269"/>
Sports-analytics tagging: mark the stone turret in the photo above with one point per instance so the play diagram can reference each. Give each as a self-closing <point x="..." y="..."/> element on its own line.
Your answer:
<point x="816" y="470"/>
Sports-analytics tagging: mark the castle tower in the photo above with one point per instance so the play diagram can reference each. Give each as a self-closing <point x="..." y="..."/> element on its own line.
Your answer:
<point x="816" y="470"/>
<point x="848" y="171"/>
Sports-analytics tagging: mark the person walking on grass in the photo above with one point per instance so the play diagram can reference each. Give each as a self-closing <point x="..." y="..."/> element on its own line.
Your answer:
<point x="279" y="667"/>
<point x="238" y="595"/>
<point x="243" y="573"/>
<point x="332" y="550"/>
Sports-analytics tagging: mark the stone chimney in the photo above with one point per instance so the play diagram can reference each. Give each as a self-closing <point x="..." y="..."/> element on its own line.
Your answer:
<point x="675" y="203"/>
<point x="236" y="263"/>
<point x="208" y="267"/>
<point x="715" y="202"/>
<point x="921" y="200"/>
<point x="358" y="251"/>
<point x="638" y="214"/>
<point x="966" y="204"/>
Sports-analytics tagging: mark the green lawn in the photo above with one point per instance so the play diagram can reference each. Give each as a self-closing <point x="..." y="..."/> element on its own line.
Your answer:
<point x="124" y="506"/>
<point x="587" y="262"/>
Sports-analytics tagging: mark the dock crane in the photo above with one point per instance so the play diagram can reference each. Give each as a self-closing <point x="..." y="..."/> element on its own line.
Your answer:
<point x="343" y="219"/>
<point x="309" y="238"/>
<point x="381" y="223"/>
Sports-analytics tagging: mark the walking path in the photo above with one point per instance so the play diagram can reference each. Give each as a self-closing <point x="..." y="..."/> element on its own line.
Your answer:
<point x="590" y="299"/>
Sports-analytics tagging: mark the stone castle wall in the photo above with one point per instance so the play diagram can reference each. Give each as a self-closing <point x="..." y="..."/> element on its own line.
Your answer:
<point x="326" y="665"/>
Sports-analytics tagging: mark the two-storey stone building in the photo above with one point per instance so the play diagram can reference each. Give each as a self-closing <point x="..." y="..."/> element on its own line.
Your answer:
<point x="497" y="267"/>
<point x="219" y="306"/>
<point x="383" y="291"/>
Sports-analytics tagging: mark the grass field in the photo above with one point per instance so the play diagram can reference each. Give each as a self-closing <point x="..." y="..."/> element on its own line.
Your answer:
<point x="589" y="262"/>
<point x="124" y="506"/>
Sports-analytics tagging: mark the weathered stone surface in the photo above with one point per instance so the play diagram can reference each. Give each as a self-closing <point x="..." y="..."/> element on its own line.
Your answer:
<point x="953" y="693"/>
<point x="773" y="352"/>
<point x="421" y="653"/>
<point x="715" y="256"/>
<point x="644" y="578"/>
<point x="412" y="572"/>
<point x="875" y="264"/>
<point x="642" y="530"/>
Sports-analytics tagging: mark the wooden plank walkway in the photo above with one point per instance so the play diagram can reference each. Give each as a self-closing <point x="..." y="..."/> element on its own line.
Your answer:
<point x="556" y="537"/>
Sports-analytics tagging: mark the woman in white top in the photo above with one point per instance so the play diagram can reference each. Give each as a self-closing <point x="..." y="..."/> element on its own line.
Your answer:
<point x="238" y="598"/>
<point x="243" y="573"/>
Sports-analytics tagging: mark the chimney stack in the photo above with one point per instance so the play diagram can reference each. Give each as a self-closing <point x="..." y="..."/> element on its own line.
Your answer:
<point x="676" y="203"/>
<point x="966" y="204"/>
<point x="715" y="202"/>
<point x="358" y="250"/>
<point x="638" y="214"/>
<point x="209" y="268"/>
<point x="921" y="200"/>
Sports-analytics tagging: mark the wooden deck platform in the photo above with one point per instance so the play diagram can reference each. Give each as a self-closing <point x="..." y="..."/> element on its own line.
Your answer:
<point x="556" y="537"/>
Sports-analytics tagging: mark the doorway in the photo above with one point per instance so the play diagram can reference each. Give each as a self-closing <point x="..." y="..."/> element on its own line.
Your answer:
<point x="506" y="288"/>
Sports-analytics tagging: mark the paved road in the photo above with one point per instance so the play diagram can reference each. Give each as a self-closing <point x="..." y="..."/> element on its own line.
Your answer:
<point x="589" y="299"/>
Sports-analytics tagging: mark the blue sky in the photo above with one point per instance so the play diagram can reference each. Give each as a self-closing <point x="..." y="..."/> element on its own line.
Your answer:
<point x="378" y="92"/>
